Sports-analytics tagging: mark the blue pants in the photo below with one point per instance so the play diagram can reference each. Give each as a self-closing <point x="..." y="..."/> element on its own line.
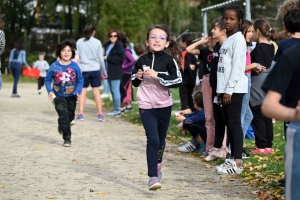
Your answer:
<point x="246" y="116"/>
<point x="156" y="123"/>
<point x="292" y="161"/>
<point x="106" y="86"/>
<point x="116" y="93"/>
<point x="16" y="70"/>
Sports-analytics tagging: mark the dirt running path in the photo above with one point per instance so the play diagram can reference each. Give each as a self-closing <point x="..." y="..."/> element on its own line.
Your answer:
<point x="106" y="160"/>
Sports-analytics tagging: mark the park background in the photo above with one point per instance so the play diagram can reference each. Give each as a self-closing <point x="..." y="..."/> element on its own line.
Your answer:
<point x="41" y="24"/>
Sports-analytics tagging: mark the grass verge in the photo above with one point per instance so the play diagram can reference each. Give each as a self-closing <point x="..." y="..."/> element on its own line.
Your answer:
<point x="262" y="171"/>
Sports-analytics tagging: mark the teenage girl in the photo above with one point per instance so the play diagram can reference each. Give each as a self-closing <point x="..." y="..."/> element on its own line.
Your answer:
<point x="154" y="73"/>
<point x="232" y="84"/>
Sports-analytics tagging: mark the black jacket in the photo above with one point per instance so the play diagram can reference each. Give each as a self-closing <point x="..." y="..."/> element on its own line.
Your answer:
<point x="115" y="60"/>
<point x="168" y="71"/>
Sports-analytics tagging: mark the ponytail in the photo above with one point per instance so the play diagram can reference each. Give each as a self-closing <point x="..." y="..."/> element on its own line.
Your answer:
<point x="174" y="50"/>
<point x="273" y="34"/>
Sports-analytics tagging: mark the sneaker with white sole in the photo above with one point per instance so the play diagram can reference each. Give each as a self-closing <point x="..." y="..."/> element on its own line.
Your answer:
<point x="72" y="123"/>
<point x="105" y="95"/>
<point x="80" y="117"/>
<point x="225" y="164"/>
<point x="154" y="183"/>
<point x="100" y="118"/>
<point x="211" y="156"/>
<point x="188" y="147"/>
<point x="231" y="169"/>
<point x="114" y="113"/>
<point x="245" y="155"/>
<point x="67" y="143"/>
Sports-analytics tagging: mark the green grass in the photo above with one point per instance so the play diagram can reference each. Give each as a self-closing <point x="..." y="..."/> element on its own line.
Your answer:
<point x="261" y="171"/>
<point x="9" y="79"/>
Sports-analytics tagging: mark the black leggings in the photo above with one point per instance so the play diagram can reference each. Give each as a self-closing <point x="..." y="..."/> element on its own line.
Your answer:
<point x="219" y="122"/>
<point x="196" y="130"/>
<point x="262" y="127"/>
<point x="232" y="116"/>
<point x="41" y="81"/>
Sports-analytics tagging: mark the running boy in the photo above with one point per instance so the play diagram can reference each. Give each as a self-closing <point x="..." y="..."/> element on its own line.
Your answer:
<point x="67" y="86"/>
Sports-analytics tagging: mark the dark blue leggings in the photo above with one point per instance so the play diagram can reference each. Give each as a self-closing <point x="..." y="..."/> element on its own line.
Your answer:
<point x="16" y="70"/>
<point x="156" y="122"/>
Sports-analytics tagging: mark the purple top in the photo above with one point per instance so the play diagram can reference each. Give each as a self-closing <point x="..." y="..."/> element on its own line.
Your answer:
<point x="128" y="62"/>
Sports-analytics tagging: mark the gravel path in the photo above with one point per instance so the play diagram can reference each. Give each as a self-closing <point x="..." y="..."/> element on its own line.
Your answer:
<point x="106" y="160"/>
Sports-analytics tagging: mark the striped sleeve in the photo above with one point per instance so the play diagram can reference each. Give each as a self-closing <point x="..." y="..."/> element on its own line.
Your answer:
<point x="2" y="44"/>
<point x="172" y="78"/>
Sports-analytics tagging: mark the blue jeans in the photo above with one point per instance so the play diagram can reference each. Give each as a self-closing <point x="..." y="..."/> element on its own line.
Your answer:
<point x="246" y="115"/>
<point x="106" y="86"/>
<point x="116" y="93"/>
<point x="16" y="69"/>
<point x="292" y="161"/>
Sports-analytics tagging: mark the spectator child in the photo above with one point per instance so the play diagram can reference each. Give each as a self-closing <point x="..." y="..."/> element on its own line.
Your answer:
<point x="158" y="70"/>
<point x="67" y="86"/>
<point x="43" y="66"/>
<point x="2" y="44"/>
<point x="194" y="123"/>
<point x="232" y="84"/>
<point x="283" y="83"/>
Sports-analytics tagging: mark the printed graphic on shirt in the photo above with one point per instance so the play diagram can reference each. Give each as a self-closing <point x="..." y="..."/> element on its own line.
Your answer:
<point x="65" y="81"/>
<point x="220" y="62"/>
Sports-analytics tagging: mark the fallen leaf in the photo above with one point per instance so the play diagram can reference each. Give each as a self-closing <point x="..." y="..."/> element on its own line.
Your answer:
<point x="2" y="186"/>
<point x="101" y="194"/>
<point x="38" y="147"/>
<point x="74" y="160"/>
<point x="144" y="173"/>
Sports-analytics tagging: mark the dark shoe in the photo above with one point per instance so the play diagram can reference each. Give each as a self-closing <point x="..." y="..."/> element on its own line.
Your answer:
<point x="245" y="155"/>
<point x="281" y="185"/>
<point x="281" y="180"/>
<point x="67" y="143"/>
<point x="282" y="193"/>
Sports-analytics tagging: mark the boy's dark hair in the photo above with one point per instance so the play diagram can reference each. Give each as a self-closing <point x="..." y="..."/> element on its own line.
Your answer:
<point x="88" y="31"/>
<point x="63" y="44"/>
<point x="246" y="25"/>
<point x="174" y="48"/>
<point x="239" y="13"/>
<point x="198" y="99"/>
<point x="187" y="38"/>
<point x="265" y="29"/>
<point x="291" y="21"/>
<point x="219" y="22"/>
<point x="139" y="49"/>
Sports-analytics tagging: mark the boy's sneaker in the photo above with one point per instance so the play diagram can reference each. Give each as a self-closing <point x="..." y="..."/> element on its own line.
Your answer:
<point x="200" y="148"/>
<point x="245" y="155"/>
<point x="39" y="91"/>
<point x="67" y="143"/>
<point x="114" y="113"/>
<point x="72" y="123"/>
<point x="225" y="164"/>
<point x="100" y="118"/>
<point x="188" y="147"/>
<point x="104" y="95"/>
<point x="231" y="169"/>
<point x="154" y="183"/>
<point x="80" y="117"/>
<point x="159" y="172"/>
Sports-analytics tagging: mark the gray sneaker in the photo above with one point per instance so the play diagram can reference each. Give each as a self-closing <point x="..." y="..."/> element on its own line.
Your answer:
<point x="114" y="113"/>
<point x="67" y="143"/>
<point x="154" y="183"/>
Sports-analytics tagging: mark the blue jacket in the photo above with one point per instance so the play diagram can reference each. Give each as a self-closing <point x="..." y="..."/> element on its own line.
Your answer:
<point x="21" y="57"/>
<point x="68" y="79"/>
<point x="196" y="117"/>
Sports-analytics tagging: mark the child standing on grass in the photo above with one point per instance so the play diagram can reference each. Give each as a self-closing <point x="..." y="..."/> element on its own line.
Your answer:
<point x="154" y="73"/>
<point x="195" y="124"/>
<point x="232" y="84"/>
<point x="282" y="102"/>
<point x="43" y="66"/>
<point x="67" y="86"/>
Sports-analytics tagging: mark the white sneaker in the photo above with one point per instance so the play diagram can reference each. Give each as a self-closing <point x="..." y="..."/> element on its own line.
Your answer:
<point x="231" y="169"/>
<point x="188" y="147"/>
<point x="104" y="95"/>
<point x="225" y="164"/>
